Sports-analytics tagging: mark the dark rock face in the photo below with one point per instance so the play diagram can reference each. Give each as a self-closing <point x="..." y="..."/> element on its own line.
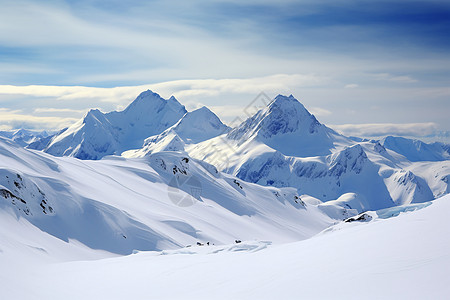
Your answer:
<point x="359" y="218"/>
<point x="23" y="194"/>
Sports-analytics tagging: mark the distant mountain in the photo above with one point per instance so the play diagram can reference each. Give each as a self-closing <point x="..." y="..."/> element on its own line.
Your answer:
<point x="24" y="137"/>
<point x="416" y="150"/>
<point x="98" y="134"/>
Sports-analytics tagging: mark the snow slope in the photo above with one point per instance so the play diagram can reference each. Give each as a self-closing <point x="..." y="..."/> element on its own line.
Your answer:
<point x="164" y="201"/>
<point x="398" y="254"/>
<point x="98" y="134"/>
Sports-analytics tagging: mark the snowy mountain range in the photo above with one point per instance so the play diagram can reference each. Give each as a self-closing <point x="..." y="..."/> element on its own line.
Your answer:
<point x="24" y="137"/>
<point x="181" y="184"/>
<point x="98" y="134"/>
<point x="281" y="145"/>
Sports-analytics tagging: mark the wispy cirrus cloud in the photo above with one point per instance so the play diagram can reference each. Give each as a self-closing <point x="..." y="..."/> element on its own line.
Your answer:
<point x="89" y="43"/>
<point x="390" y="77"/>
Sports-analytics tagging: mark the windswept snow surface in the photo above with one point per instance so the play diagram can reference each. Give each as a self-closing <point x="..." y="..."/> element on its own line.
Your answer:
<point x="402" y="255"/>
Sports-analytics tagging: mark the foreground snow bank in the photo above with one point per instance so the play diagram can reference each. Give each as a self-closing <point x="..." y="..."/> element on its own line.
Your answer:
<point x="406" y="256"/>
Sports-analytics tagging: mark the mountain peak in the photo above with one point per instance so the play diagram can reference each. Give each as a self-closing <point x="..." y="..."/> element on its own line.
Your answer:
<point x="287" y="126"/>
<point x="148" y="94"/>
<point x="281" y="98"/>
<point x="93" y="114"/>
<point x="199" y="125"/>
<point x="289" y="106"/>
<point x="202" y="111"/>
<point x="145" y="101"/>
<point x="151" y="102"/>
<point x="284" y="114"/>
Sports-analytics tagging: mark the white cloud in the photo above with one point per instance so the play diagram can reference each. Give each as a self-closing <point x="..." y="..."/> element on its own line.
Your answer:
<point x="383" y="129"/>
<point x="6" y="127"/>
<point x="351" y="86"/>
<point x="228" y="113"/>
<point x="58" y="110"/>
<point x="227" y="98"/>
<point x="390" y="77"/>
<point x="192" y="93"/>
<point x="406" y="79"/>
<point x="179" y="88"/>
<point x="12" y="119"/>
<point x="319" y="112"/>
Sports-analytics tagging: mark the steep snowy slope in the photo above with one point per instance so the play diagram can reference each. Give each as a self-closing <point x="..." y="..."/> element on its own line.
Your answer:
<point x="98" y="134"/>
<point x="89" y="138"/>
<point x="164" y="201"/>
<point x="436" y="175"/>
<point x="394" y="254"/>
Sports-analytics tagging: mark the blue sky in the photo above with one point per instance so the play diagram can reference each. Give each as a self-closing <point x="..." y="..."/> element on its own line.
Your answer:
<point x="350" y="62"/>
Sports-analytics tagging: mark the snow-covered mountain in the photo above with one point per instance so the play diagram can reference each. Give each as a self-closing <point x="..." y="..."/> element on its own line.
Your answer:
<point x="24" y="137"/>
<point x="245" y="212"/>
<point x="416" y="150"/>
<point x="199" y="125"/>
<point x="194" y="127"/>
<point x="99" y="134"/>
<point x="286" y="126"/>
<point x="284" y="145"/>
